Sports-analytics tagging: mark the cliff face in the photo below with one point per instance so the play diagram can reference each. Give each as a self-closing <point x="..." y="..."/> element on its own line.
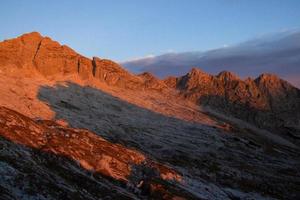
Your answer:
<point x="113" y="74"/>
<point x="34" y="52"/>
<point x="19" y="52"/>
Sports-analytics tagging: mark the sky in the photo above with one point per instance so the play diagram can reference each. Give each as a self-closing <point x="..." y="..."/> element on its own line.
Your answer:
<point x="278" y="54"/>
<point x="128" y="29"/>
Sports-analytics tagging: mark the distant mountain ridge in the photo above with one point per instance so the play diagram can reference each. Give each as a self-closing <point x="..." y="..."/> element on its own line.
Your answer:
<point x="266" y="101"/>
<point x="278" y="53"/>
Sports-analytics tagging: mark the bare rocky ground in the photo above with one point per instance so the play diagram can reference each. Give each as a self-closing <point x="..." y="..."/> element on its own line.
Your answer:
<point x="237" y="159"/>
<point x="218" y="159"/>
<point x="44" y="160"/>
<point x="215" y="155"/>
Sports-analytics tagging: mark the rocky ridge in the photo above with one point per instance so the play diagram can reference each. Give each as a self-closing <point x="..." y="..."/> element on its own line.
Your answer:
<point x="32" y="51"/>
<point x="268" y="102"/>
<point x="161" y="120"/>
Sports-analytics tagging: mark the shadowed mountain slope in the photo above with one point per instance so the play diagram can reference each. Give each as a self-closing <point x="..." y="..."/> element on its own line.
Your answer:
<point x="200" y="152"/>
<point x="267" y="101"/>
<point x="119" y="120"/>
<point x="87" y="155"/>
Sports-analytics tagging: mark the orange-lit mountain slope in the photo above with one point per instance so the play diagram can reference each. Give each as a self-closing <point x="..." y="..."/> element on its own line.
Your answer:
<point x="219" y="136"/>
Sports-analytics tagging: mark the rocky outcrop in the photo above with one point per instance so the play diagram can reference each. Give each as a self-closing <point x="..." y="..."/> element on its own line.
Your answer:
<point x="92" y="153"/>
<point x="194" y="79"/>
<point x="267" y="101"/>
<point x="151" y="82"/>
<point x="50" y="58"/>
<point x="35" y="52"/>
<point x="20" y="52"/>
<point x="113" y="74"/>
<point x="85" y="68"/>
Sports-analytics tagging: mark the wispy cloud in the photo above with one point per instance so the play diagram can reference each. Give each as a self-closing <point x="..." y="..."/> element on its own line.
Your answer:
<point x="277" y="53"/>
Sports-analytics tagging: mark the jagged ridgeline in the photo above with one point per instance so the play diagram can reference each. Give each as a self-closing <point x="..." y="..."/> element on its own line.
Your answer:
<point x="78" y="128"/>
<point x="267" y="101"/>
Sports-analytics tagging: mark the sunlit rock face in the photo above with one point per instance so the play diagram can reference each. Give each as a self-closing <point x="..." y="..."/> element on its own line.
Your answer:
<point x="80" y="128"/>
<point x="19" y="52"/>
<point x="113" y="74"/>
<point x="267" y="101"/>
<point x="52" y="58"/>
<point x="92" y="153"/>
<point x="34" y="52"/>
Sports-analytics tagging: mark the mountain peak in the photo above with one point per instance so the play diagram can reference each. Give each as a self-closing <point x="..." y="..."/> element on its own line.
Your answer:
<point x="32" y="34"/>
<point x="193" y="79"/>
<point x="30" y="37"/>
<point x="268" y="77"/>
<point x="268" y="81"/>
<point x="196" y="72"/>
<point x="227" y="76"/>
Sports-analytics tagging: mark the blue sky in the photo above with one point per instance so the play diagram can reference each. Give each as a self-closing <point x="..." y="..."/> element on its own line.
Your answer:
<point x="128" y="29"/>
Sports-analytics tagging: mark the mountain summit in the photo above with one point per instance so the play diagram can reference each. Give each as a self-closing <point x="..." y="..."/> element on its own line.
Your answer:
<point x="32" y="51"/>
